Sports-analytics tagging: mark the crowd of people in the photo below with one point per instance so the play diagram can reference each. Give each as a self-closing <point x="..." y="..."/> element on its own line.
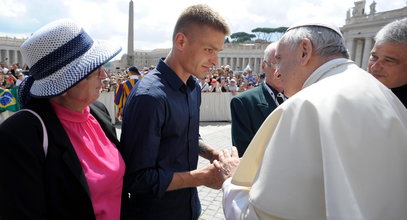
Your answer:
<point x="11" y="75"/>
<point x="330" y="141"/>
<point x="224" y="79"/>
<point x="219" y="79"/>
<point x="116" y="77"/>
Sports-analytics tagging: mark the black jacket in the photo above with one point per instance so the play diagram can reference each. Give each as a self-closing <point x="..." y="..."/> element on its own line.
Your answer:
<point x="33" y="186"/>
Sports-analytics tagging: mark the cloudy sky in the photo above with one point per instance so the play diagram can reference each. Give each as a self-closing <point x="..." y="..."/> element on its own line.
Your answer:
<point x="154" y="19"/>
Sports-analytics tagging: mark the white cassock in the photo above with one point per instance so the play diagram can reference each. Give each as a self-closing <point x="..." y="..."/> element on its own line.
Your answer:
<point x="336" y="150"/>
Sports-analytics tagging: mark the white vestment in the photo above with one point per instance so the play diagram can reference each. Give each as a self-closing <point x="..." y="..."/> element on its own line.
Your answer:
<point x="336" y="150"/>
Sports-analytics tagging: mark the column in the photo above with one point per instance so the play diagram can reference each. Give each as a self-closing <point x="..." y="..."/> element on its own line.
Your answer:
<point x="130" y="37"/>
<point x="255" y="66"/>
<point x="366" y="52"/>
<point x="350" y="46"/>
<point x="20" y="59"/>
<point x="252" y="64"/>
<point x="258" y="63"/>
<point x="3" y="55"/>
<point x="10" y="57"/>
<point x="245" y="62"/>
<point x="232" y="63"/>
<point x="15" y="56"/>
<point x="358" y="52"/>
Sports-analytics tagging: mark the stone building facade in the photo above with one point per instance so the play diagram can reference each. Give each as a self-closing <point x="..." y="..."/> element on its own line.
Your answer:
<point x="361" y="27"/>
<point x="10" y="50"/>
<point x="237" y="56"/>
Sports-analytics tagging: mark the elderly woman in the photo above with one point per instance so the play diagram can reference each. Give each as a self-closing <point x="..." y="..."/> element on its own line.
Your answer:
<point x="78" y="174"/>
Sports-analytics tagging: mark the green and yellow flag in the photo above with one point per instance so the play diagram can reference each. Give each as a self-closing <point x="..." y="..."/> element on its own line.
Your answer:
<point x="8" y="100"/>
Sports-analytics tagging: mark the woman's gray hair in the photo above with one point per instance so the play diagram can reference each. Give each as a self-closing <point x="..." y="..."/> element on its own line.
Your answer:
<point x="326" y="42"/>
<point x="395" y="31"/>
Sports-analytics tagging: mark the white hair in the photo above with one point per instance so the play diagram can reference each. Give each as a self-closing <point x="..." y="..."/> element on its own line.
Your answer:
<point x="395" y="31"/>
<point x="267" y="51"/>
<point x="326" y="42"/>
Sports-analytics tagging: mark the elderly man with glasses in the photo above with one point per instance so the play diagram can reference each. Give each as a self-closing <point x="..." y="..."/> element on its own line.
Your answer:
<point x="249" y="109"/>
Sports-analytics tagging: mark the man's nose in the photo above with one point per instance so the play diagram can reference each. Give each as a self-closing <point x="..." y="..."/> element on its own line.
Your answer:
<point x="103" y="73"/>
<point x="375" y="65"/>
<point x="214" y="59"/>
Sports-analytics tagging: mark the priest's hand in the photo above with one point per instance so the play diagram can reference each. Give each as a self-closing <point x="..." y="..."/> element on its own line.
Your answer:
<point x="228" y="162"/>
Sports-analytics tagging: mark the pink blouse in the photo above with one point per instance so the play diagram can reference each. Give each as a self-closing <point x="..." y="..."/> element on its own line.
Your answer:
<point x="101" y="162"/>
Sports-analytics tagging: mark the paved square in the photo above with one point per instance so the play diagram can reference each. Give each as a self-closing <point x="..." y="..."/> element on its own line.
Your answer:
<point x="218" y="135"/>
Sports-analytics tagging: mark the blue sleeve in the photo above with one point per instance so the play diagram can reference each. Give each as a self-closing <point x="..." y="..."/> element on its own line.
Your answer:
<point x="143" y="119"/>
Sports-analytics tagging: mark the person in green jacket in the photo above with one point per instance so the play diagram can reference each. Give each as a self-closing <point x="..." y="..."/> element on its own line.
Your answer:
<point x="250" y="108"/>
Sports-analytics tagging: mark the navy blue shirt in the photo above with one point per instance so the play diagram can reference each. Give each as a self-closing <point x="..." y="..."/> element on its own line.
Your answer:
<point x="160" y="133"/>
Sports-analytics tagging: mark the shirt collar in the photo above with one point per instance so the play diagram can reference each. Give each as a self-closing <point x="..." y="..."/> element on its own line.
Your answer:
<point x="272" y="90"/>
<point x="69" y="115"/>
<point x="173" y="80"/>
<point x="325" y="70"/>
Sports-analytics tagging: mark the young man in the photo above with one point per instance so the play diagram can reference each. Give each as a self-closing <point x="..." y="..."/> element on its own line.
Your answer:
<point x="388" y="60"/>
<point x="336" y="149"/>
<point x="160" y="133"/>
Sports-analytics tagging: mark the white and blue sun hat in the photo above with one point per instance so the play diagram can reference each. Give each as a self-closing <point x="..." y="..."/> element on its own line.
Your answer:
<point x="60" y="55"/>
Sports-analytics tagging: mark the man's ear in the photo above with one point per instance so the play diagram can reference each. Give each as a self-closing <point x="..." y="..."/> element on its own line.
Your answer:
<point x="306" y="50"/>
<point x="180" y="41"/>
<point x="263" y="65"/>
<point x="276" y="74"/>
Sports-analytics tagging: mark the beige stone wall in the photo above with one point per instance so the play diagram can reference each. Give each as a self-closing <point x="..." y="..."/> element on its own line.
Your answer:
<point x="10" y="48"/>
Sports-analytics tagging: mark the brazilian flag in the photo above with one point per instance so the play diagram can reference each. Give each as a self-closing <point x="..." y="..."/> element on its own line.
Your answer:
<point x="8" y="100"/>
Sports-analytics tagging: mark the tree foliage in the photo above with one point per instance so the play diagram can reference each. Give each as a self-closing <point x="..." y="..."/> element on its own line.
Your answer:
<point x="261" y="33"/>
<point x="241" y="37"/>
<point x="268" y="34"/>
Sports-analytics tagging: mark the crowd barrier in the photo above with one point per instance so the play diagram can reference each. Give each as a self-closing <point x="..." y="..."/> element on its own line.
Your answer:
<point x="214" y="106"/>
<point x="107" y="98"/>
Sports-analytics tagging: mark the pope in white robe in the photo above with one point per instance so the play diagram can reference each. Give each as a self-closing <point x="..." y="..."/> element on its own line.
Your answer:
<point x="335" y="150"/>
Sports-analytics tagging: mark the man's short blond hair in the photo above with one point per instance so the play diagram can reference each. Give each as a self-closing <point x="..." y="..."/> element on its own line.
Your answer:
<point x="200" y="15"/>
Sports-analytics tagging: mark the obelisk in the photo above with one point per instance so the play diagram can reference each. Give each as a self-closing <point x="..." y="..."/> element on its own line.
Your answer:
<point x="130" y="39"/>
